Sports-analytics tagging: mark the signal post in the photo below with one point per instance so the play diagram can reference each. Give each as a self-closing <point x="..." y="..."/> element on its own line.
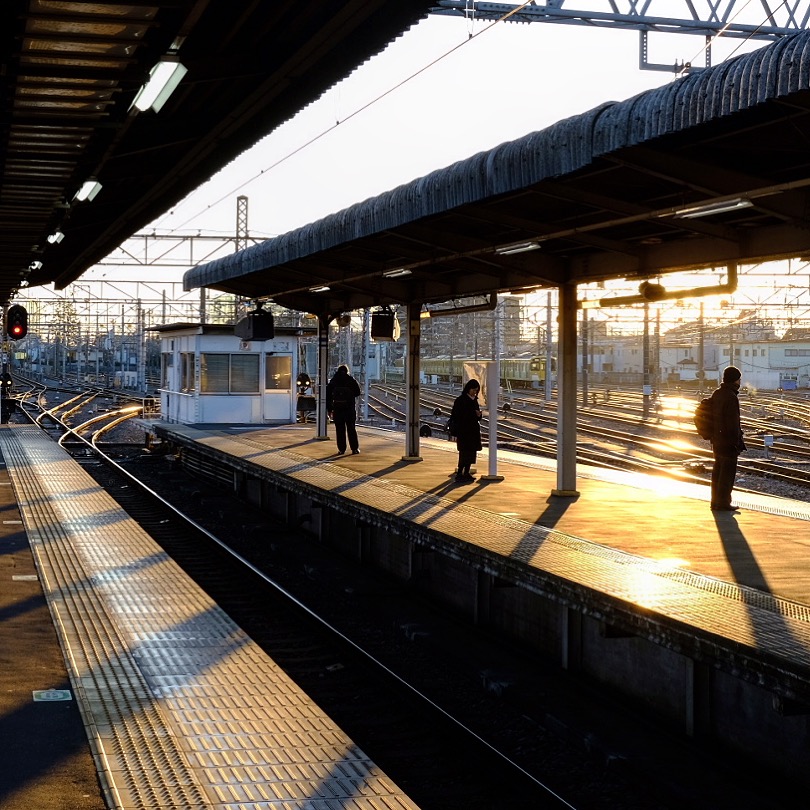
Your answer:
<point x="15" y="327"/>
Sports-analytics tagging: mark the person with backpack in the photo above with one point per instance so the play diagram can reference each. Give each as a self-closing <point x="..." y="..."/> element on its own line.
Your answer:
<point x="341" y="392"/>
<point x="726" y="438"/>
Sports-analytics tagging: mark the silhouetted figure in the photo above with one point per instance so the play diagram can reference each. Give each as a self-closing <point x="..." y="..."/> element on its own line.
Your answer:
<point x="727" y="439"/>
<point x="466" y="415"/>
<point x="341" y="392"/>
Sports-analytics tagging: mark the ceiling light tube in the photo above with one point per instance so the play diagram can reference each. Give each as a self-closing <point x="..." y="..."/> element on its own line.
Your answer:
<point x="88" y="191"/>
<point x="707" y="210"/>
<point x="319" y="289"/>
<point x="521" y="247"/>
<point x="163" y="80"/>
<point x="56" y="237"/>
<point x="398" y="273"/>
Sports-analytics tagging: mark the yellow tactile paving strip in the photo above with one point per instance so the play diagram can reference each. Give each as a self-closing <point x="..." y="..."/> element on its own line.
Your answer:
<point x="181" y="707"/>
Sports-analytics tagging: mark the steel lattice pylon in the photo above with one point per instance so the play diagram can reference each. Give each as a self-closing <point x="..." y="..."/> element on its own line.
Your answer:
<point x="732" y="19"/>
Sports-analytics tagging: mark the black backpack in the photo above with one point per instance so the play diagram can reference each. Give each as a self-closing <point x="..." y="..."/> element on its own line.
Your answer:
<point x="703" y="418"/>
<point x="342" y="396"/>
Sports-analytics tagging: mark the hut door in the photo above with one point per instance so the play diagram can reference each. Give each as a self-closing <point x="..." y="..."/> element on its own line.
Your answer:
<point x="277" y="400"/>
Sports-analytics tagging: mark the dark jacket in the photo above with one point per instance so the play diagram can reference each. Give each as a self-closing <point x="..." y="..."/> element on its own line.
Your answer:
<point x="466" y="419"/>
<point x="727" y="435"/>
<point x="341" y="392"/>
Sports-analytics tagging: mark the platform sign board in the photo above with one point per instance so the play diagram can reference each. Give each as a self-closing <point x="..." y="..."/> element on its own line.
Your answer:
<point x="475" y="370"/>
<point x="48" y="695"/>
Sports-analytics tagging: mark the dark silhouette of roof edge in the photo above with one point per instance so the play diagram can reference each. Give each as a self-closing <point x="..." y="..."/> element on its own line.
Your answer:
<point x="569" y="145"/>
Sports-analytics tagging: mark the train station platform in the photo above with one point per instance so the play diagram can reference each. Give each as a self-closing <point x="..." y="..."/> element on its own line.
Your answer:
<point x="704" y="616"/>
<point x="125" y="685"/>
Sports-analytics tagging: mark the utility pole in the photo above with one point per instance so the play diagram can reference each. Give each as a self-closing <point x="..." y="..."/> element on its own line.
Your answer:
<point x="584" y="357"/>
<point x="5" y="376"/>
<point x="646" y="362"/>
<point x="548" y="348"/>
<point x="241" y="239"/>
<point x="657" y="355"/>
<point x="701" y="355"/>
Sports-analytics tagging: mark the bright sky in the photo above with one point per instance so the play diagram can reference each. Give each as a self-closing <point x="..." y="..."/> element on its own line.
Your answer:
<point x="442" y="92"/>
<point x="470" y="94"/>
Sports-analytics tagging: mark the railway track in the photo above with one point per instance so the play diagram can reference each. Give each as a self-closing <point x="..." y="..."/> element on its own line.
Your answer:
<point x="457" y="719"/>
<point x="240" y="558"/>
<point x="616" y="435"/>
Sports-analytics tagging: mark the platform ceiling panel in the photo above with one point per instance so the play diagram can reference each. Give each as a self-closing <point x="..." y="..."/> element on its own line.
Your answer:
<point x="607" y="194"/>
<point x="71" y="70"/>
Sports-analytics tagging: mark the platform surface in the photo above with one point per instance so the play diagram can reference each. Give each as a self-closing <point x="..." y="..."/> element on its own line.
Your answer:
<point x="740" y="581"/>
<point x="181" y="708"/>
<point x="766" y="545"/>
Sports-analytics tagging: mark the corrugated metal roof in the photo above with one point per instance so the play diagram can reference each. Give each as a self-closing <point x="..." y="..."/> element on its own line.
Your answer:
<point x="71" y="71"/>
<point x="564" y="148"/>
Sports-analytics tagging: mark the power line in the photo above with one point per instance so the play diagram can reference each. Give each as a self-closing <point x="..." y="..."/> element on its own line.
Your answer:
<point x="357" y="112"/>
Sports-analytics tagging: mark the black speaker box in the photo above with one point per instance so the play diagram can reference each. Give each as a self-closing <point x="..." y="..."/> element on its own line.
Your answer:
<point x="256" y="326"/>
<point x="382" y="325"/>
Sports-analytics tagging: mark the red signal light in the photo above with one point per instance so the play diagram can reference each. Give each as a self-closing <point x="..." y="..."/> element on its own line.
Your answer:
<point x="17" y="322"/>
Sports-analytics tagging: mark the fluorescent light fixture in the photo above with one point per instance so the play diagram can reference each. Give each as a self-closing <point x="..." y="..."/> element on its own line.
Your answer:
<point x="708" y="209"/>
<point x="319" y="289"/>
<point x="35" y="265"/>
<point x="56" y="237"/>
<point x="398" y="273"/>
<point x="88" y="191"/>
<point x="521" y="247"/>
<point x="163" y="80"/>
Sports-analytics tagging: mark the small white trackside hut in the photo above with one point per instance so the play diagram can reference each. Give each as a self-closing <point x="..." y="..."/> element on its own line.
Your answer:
<point x="209" y="375"/>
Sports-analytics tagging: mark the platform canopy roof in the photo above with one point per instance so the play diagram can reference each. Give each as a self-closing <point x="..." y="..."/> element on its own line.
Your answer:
<point x="712" y="169"/>
<point x="71" y="70"/>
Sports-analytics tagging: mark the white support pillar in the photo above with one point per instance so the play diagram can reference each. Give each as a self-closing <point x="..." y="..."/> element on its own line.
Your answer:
<point x="323" y="376"/>
<point x="412" y="355"/>
<point x="493" y="395"/>
<point x="567" y="394"/>
<point x="493" y="390"/>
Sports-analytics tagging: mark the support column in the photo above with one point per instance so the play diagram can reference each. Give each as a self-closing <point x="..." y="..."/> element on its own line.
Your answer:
<point x="567" y="394"/>
<point x="414" y="326"/>
<point x="323" y="375"/>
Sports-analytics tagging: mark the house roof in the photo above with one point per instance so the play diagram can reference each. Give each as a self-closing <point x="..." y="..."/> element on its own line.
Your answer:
<point x="600" y="195"/>
<point x="227" y="329"/>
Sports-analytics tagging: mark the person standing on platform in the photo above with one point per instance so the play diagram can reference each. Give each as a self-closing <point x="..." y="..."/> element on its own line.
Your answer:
<point x="341" y="393"/>
<point x="465" y="418"/>
<point x="727" y="439"/>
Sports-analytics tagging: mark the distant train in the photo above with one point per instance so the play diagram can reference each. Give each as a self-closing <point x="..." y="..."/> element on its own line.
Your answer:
<point x="517" y="372"/>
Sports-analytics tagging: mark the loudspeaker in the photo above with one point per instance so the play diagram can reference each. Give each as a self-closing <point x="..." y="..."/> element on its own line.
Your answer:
<point x="256" y="325"/>
<point x="382" y="325"/>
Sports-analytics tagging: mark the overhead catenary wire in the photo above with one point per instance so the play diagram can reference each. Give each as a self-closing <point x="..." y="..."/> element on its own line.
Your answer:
<point x="374" y="101"/>
<point x="363" y="108"/>
<point x="720" y="33"/>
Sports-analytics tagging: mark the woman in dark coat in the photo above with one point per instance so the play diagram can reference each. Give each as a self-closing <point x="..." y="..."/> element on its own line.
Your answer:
<point x="466" y="415"/>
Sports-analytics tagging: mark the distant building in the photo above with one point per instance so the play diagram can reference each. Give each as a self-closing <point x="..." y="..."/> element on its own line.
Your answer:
<point x="766" y="361"/>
